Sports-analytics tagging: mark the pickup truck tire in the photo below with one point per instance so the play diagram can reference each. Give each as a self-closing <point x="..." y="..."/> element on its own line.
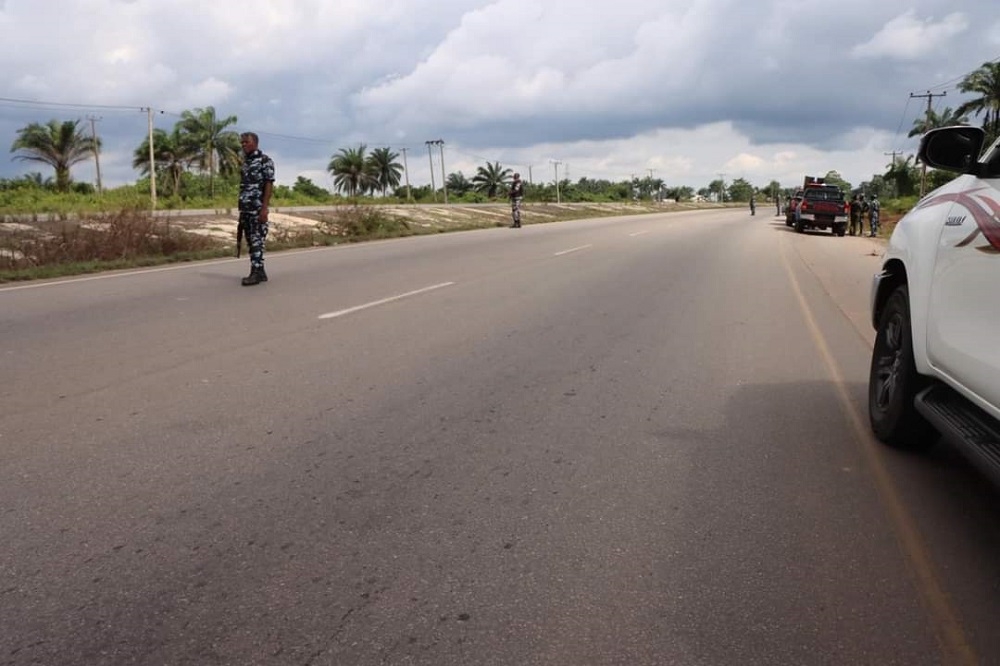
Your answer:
<point x="799" y="226"/>
<point x="840" y="229"/>
<point x="893" y="382"/>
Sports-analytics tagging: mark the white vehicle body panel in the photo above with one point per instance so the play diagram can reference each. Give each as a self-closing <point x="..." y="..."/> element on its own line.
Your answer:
<point x="953" y="276"/>
<point x="963" y="308"/>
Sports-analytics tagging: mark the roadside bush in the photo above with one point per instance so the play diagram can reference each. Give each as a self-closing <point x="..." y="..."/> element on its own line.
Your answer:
<point x="125" y="236"/>
<point x="357" y="223"/>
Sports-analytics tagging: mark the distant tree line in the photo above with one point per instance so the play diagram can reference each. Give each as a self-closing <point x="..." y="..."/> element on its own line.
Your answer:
<point x="200" y="158"/>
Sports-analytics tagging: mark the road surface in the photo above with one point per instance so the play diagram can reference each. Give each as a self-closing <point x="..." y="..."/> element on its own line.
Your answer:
<point x="636" y="440"/>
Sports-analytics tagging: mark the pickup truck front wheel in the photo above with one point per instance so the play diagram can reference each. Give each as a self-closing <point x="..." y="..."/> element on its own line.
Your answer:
<point x="893" y="382"/>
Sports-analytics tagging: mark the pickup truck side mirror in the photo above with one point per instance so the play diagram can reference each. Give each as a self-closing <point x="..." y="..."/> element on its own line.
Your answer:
<point x="952" y="148"/>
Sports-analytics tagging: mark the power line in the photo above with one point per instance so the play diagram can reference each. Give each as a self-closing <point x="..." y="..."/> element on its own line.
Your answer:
<point x="947" y="84"/>
<point x="42" y="105"/>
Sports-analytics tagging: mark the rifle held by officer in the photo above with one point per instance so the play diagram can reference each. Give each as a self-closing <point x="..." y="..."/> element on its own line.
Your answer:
<point x="240" y="231"/>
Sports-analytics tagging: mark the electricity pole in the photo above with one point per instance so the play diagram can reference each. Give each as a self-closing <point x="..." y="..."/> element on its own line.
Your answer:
<point x="152" y="162"/>
<point x="406" y="174"/>
<point x="923" y="170"/>
<point x="444" y="181"/>
<point x="430" y="160"/>
<point x="555" y="166"/>
<point x="722" y="188"/>
<point x="894" y="153"/>
<point x="97" y="159"/>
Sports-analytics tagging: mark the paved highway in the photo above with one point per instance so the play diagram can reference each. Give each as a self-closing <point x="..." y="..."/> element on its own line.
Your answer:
<point x="637" y="440"/>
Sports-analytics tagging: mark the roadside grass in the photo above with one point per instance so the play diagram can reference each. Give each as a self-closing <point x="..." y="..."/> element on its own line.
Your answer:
<point x="124" y="239"/>
<point x="132" y="237"/>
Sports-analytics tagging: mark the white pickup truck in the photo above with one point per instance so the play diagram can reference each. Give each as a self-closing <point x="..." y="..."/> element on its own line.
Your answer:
<point x="935" y="305"/>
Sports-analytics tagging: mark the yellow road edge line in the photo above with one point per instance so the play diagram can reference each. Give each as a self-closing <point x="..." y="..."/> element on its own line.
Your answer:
<point x="946" y="621"/>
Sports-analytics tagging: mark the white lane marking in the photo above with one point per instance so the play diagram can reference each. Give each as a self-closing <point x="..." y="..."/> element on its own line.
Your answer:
<point x="356" y="308"/>
<point x="572" y="249"/>
<point x="638" y="233"/>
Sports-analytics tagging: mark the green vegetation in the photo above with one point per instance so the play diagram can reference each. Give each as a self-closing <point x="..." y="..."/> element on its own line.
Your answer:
<point x="64" y="227"/>
<point x="59" y="145"/>
<point x="984" y="82"/>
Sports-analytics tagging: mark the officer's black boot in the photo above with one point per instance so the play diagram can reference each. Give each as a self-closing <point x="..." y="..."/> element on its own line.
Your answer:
<point x="253" y="278"/>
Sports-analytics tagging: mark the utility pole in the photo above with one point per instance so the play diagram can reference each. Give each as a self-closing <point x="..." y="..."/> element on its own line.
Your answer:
<point x="430" y="160"/>
<point x="406" y="174"/>
<point x="97" y="159"/>
<point x="444" y="181"/>
<point x="894" y="153"/>
<point x="555" y="165"/>
<point x="530" y="181"/>
<point x="152" y="162"/>
<point x="923" y="170"/>
<point x="722" y="188"/>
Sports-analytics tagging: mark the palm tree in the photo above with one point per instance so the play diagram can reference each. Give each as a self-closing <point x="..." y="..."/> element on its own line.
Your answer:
<point x="35" y="179"/>
<point x="458" y="183"/>
<point x="211" y="141"/>
<point x="171" y="155"/>
<point x="383" y="164"/>
<point x="904" y="175"/>
<point x="491" y="178"/>
<point x="985" y="82"/>
<point x="60" y="145"/>
<point x="932" y="119"/>
<point x="352" y="172"/>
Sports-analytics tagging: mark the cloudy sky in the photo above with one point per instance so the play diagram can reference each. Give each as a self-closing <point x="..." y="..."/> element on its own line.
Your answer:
<point x="683" y="89"/>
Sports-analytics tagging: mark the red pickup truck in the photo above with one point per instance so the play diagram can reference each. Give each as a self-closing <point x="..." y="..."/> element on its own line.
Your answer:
<point x="822" y="207"/>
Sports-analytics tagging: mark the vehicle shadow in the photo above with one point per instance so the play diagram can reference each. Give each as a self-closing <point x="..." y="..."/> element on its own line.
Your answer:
<point x="806" y="523"/>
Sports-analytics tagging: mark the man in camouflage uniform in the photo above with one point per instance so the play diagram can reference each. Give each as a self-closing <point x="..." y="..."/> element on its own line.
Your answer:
<point x="516" y="194"/>
<point x="873" y="211"/>
<point x="857" y="224"/>
<point x="256" y="184"/>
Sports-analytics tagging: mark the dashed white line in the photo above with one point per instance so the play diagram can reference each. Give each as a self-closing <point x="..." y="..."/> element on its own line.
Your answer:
<point x="383" y="301"/>
<point x="572" y="249"/>
<point x="638" y="233"/>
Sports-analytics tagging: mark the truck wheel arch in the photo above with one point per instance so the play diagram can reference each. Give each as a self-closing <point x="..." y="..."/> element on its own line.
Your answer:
<point x="895" y="276"/>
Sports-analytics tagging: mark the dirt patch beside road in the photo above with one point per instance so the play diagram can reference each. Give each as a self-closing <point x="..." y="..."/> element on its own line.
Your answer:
<point x="426" y="218"/>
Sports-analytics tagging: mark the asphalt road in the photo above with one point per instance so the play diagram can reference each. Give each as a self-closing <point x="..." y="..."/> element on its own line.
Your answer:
<point x="636" y="440"/>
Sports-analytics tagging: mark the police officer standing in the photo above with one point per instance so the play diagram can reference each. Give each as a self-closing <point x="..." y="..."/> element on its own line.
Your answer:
<point x="857" y="225"/>
<point x="256" y="185"/>
<point x="516" y="194"/>
<point x="873" y="211"/>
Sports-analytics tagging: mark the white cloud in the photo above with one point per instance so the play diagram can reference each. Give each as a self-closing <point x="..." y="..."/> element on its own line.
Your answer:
<point x="908" y="38"/>
<point x="688" y="88"/>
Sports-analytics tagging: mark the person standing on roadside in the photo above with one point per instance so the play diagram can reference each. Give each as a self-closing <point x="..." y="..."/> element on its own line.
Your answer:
<point x="873" y="211"/>
<point x="516" y="194"/>
<point x="256" y="185"/>
<point x="863" y="210"/>
<point x="857" y="225"/>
